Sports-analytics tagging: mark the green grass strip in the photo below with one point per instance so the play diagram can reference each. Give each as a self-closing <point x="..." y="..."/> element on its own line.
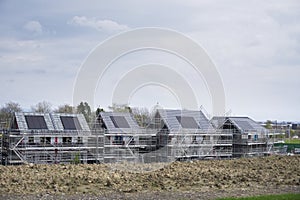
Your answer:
<point x="292" y="141"/>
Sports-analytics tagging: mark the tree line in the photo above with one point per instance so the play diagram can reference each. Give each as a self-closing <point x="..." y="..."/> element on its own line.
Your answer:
<point x="142" y="115"/>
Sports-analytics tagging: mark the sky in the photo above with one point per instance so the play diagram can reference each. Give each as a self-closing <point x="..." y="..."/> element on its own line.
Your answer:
<point x="255" y="46"/>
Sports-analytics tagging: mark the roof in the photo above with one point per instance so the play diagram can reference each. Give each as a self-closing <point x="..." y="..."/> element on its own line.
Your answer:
<point x="217" y="121"/>
<point x="241" y="123"/>
<point x="119" y="122"/>
<point x="187" y="120"/>
<point x="51" y="121"/>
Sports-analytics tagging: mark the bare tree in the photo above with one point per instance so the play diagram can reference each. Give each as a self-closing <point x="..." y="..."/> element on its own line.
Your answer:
<point x="65" y="109"/>
<point x="42" y="107"/>
<point x="142" y="116"/>
<point x="120" y="108"/>
<point x="6" y="113"/>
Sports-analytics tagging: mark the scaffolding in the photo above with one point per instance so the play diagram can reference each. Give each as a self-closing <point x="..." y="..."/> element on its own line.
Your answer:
<point x="52" y="147"/>
<point x="247" y="142"/>
<point x="106" y="143"/>
<point x="250" y="143"/>
<point x="186" y="135"/>
<point x="198" y="145"/>
<point x="132" y="146"/>
<point x="157" y="146"/>
<point x="109" y="143"/>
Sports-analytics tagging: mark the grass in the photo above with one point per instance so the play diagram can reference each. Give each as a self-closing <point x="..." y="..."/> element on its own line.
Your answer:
<point x="292" y="141"/>
<point x="266" y="197"/>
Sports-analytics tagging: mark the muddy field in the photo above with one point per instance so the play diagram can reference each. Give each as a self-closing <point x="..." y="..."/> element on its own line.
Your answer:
<point x="182" y="180"/>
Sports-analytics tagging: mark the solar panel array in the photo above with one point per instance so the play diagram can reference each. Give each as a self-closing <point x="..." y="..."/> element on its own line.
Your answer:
<point x="242" y="123"/>
<point x="36" y="122"/>
<point x="51" y="121"/>
<point x="245" y="125"/>
<point x="119" y="121"/>
<point x="70" y="123"/>
<point x="187" y="122"/>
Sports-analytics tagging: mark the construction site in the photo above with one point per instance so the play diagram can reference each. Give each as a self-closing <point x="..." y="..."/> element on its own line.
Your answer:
<point x="171" y="135"/>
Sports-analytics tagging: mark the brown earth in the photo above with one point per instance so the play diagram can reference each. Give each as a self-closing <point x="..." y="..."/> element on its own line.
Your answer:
<point x="181" y="180"/>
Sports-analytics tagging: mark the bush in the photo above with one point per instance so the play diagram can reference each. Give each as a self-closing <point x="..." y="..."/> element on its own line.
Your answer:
<point x="76" y="159"/>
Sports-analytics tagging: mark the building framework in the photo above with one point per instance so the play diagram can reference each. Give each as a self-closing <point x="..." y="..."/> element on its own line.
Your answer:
<point x="50" y="138"/>
<point x="249" y="137"/>
<point x="188" y="134"/>
<point x="124" y="140"/>
<point x="116" y="137"/>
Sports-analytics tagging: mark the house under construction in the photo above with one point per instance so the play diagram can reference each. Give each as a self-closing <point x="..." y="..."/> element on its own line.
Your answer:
<point x="47" y="138"/>
<point x="116" y="137"/>
<point x="249" y="137"/>
<point x="124" y="140"/>
<point x="186" y="134"/>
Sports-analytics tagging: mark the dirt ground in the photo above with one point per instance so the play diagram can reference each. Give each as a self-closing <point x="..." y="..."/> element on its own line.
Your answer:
<point x="179" y="180"/>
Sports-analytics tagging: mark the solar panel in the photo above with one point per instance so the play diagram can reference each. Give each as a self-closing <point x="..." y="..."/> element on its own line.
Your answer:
<point x="119" y="122"/>
<point x="187" y="122"/>
<point x="70" y="123"/>
<point x="36" y="122"/>
<point x="245" y="125"/>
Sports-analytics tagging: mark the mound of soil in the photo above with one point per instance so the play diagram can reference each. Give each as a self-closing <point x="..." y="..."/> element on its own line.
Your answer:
<point x="275" y="174"/>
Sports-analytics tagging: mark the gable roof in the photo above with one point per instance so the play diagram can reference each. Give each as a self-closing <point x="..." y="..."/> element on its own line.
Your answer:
<point x="50" y="121"/>
<point x="217" y="121"/>
<point x="241" y="123"/>
<point x="119" y="122"/>
<point x="188" y="120"/>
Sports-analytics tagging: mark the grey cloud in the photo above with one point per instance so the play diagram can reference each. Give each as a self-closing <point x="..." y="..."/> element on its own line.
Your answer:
<point x="31" y="71"/>
<point x="253" y="42"/>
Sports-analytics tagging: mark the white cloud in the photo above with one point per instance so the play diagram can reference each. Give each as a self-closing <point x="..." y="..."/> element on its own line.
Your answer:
<point x="34" y="26"/>
<point x="100" y="25"/>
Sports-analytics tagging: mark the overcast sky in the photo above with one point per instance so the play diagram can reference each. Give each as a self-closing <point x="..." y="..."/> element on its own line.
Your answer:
<point x="255" y="46"/>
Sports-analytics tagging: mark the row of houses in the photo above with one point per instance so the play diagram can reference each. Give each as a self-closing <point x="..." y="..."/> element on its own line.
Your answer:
<point x="115" y="137"/>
